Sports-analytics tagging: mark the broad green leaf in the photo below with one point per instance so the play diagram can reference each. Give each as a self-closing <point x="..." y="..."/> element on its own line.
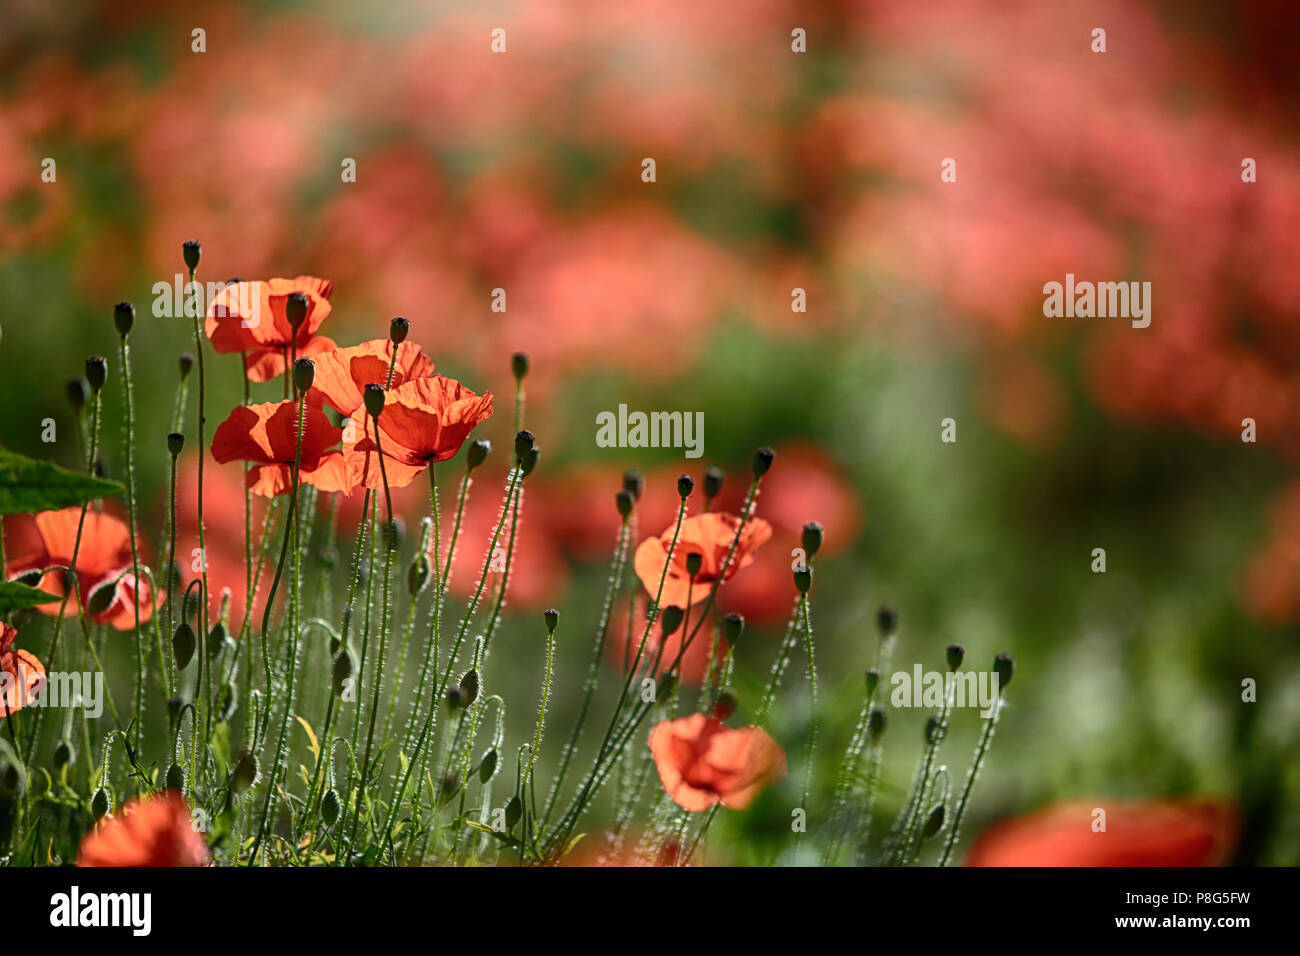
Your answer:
<point x="28" y="486"/>
<point x="15" y="596"/>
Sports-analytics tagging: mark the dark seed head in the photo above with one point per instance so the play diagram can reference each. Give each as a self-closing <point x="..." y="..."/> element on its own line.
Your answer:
<point x="886" y="621"/>
<point x="1004" y="665"/>
<point x="124" y="317"/>
<point x="624" y="501"/>
<point x="955" y="655"/>
<point x="96" y="372"/>
<point x="685" y="485"/>
<point x="713" y="476"/>
<point x="529" y="461"/>
<point x="78" y="393"/>
<point x="634" y="483"/>
<point x="519" y="365"/>
<point x="876" y="723"/>
<point x="694" y="561"/>
<point x="304" y="374"/>
<point x="399" y="329"/>
<point x="478" y="452"/>
<point x="812" y="538"/>
<point x="175" y="442"/>
<point x="725" y="705"/>
<point x="733" y="625"/>
<point x="186" y="364"/>
<point x="552" y="619"/>
<point x="803" y="579"/>
<point x="763" y="459"/>
<point x="524" y="443"/>
<point x="190" y="249"/>
<point x="873" y="681"/>
<point x="295" y="309"/>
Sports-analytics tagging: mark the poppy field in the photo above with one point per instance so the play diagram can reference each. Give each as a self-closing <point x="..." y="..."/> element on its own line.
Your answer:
<point x="590" y="435"/>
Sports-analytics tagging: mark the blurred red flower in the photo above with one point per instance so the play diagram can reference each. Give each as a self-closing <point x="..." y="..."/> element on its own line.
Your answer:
<point x="21" y="674"/>
<point x="147" y="831"/>
<point x="709" y="535"/>
<point x="702" y="762"/>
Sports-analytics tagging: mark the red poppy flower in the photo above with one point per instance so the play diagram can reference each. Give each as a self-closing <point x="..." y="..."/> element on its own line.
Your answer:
<point x="703" y="762"/>
<point x="147" y="831"/>
<point x="267" y="434"/>
<point x="709" y="535"/>
<point x="250" y="317"/>
<point x="104" y="556"/>
<point x="425" y="420"/>
<point x="1157" y="833"/>
<point x="343" y="374"/>
<point x="21" y="674"/>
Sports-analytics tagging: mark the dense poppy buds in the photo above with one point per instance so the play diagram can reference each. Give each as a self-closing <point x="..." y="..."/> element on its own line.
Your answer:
<point x="183" y="643"/>
<point x="478" y="452"/>
<point x="763" y="459"/>
<point x="933" y="823"/>
<point x="694" y="561"/>
<point x="519" y="365"/>
<point x="469" y="686"/>
<point x="78" y="393"/>
<point x="418" y="575"/>
<point x="873" y="681"/>
<point x="186" y="363"/>
<point x="733" y="625"/>
<point x="634" y="483"/>
<point x="342" y="671"/>
<point x="625" y="502"/>
<point x="725" y="705"/>
<point x="955" y="654"/>
<point x="803" y="579"/>
<point x="124" y="317"/>
<point x="99" y="804"/>
<point x="713" y="476"/>
<point x="529" y="461"/>
<point x="685" y="485"/>
<point x="812" y="538"/>
<point x="96" y="372"/>
<point x="175" y="442"/>
<point x="552" y="618"/>
<point x="671" y="619"/>
<point x="398" y="330"/>
<point x="524" y="443"/>
<point x="245" y="772"/>
<point x="887" y="621"/>
<point x="1004" y="666"/>
<point x="175" y="777"/>
<point x="876" y="724"/>
<point x="190" y="249"/>
<point x="329" y="807"/>
<point x="295" y="309"/>
<point x="304" y="374"/>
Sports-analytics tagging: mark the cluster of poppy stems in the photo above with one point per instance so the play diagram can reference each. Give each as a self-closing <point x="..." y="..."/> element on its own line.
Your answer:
<point x="365" y="419"/>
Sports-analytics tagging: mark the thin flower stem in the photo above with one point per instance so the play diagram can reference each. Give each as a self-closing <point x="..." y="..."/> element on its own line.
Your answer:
<point x="203" y="548"/>
<point x="128" y="396"/>
<point x="981" y="749"/>
<point x="812" y="702"/>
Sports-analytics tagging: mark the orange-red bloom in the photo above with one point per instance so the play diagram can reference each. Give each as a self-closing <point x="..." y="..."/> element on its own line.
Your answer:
<point x="709" y="535"/>
<point x="267" y="434"/>
<point x="104" y="556"/>
<point x="250" y="317"/>
<point x="343" y="374"/>
<point x="1156" y="833"/>
<point x="702" y="762"/>
<point x="424" y="421"/>
<point x="21" y="674"/>
<point x="148" y="831"/>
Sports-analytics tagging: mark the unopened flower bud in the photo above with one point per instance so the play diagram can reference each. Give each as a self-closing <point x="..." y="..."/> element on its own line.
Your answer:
<point x="876" y="724"/>
<point x="469" y="687"/>
<point x="184" y="642"/>
<point x="524" y="443"/>
<point x="733" y="625"/>
<point x="398" y="330"/>
<point x="63" y="754"/>
<point x="455" y="698"/>
<point x="873" y="681"/>
<point x="763" y="459"/>
<point x="934" y="822"/>
<point x="342" y="671"/>
<point x="694" y="561"/>
<point x="519" y="365"/>
<point x="175" y="777"/>
<point x="488" y="766"/>
<point x="418" y="575"/>
<point x="124" y="317"/>
<point x="671" y="619"/>
<point x="514" y="810"/>
<point x="812" y="538"/>
<point x="552" y="619"/>
<point x="96" y="372"/>
<point x="101" y="599"/>
<point x="99" y="804"/>
<point x="478" y="451"/>
<point x="245" y="772"/>
<point x="933" y="729"/>
<point x="190" y="250"/>
<point x="329" y="807"/>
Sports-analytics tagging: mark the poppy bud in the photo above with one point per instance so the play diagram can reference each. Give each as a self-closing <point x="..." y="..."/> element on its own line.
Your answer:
<point x="304" y="373"/>
<point x="175" y="442"/>
<point x="519" y="365"/>
<point x="175" y="777"/>
<point x="803" y="579"/>
<point x="552" y="619"/>
<point x="713" y="476"/>
<point x="725" y="705"/>
<point x="812" y="537"/>
<point x="295" y="309"/>
<point x="685" y="485"/>
<point x="876" y="724"/>
<point x="186" y="364"/>
<point x="763" y="459"/>
<point x="955" y="654"/>
<point x="63" y="754"/>
<point x="398" y="330"/>
<point x="183" y="644"/>
<point x="228" y="703"/>
<point x="418" y="575"/>
<point x="329" y="807"/>
<point x="173" y="710"/>
<point x="245" y="772"/>
<point x="671" y="619"/>
<point x="1004" y="666"/>
<point x="634" y="483"/>
<point x="469" y="687"/>
<point x="99" y="804"/>
<point x="530" y="461"/>
<point x="217" y="639"/>
<point x="30" y="578"/>
<point x="733" y="625"/>
<point x="933" y="729"/>
<point x="124" y="317"/>
<point x="450" y="784"/>
<point x="78" y="392"/>
<point x="455" y="698"/>
<point x="190" y="249"/>
<point x="524" y="442"/>
<point x="886" y="621"/>
<point x="933" y="823"/>
<point x="96" y="372"/>
<point x="514" y="810"/>
<point x="488" y="766"/>
<point x="694" y="561"/>
<point x="873" y="681"/>
<point x="624" y="501"/>
<point x="101" y="599"/>
<point x="342" y="670"/>
<point x="478" y="451"/>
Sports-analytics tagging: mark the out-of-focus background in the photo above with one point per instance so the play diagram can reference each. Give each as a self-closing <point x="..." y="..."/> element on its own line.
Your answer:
<point x="775" y="170"/>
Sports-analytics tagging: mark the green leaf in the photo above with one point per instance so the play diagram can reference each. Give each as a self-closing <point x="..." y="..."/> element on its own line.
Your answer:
<point x="15" y="596"/>
<point x="28" y="486"/>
